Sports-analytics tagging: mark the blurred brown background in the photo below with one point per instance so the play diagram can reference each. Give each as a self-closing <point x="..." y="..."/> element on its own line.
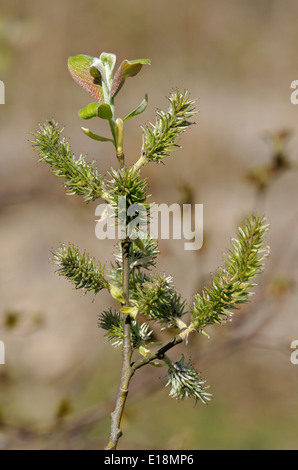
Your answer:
<point x="239" y="58"/>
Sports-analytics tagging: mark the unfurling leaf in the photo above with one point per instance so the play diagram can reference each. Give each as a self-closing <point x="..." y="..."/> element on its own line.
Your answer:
<point x="79" y="67"/>
<point x="128" y="68"/>
<point x="104" y="66"/>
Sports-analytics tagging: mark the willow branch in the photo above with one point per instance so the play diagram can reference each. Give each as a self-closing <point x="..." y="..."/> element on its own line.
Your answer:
<point x="127" y="371"/>
<point x="160" y="353"/>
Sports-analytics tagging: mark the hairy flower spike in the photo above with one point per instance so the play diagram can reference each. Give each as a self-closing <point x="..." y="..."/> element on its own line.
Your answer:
<point x="232" y="283"/>
<point x="139" y="261"/>
<point x="81" y="177"/>
<point x="186" y="382"/>
<point x="126" y="182"/>
<point x="160" y="140"/>
<point x="112" y="322"/>
<point x="140" y="258"/>
<point x="158" y="300"/>
<point x="80" y="269"/>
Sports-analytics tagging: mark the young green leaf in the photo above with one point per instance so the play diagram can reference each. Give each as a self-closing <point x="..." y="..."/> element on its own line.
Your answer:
<point x="132" y="311"/>
<point x="128" y="68"/>
<point x="117" y="294"/>
<point x="101" y="110"/>
<point x="89" y="111"/>
<point x="139" y="243"/>
<point x="105" y="112"/>
<point x="140" y="109"/>
<point x="95" y="136"/>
